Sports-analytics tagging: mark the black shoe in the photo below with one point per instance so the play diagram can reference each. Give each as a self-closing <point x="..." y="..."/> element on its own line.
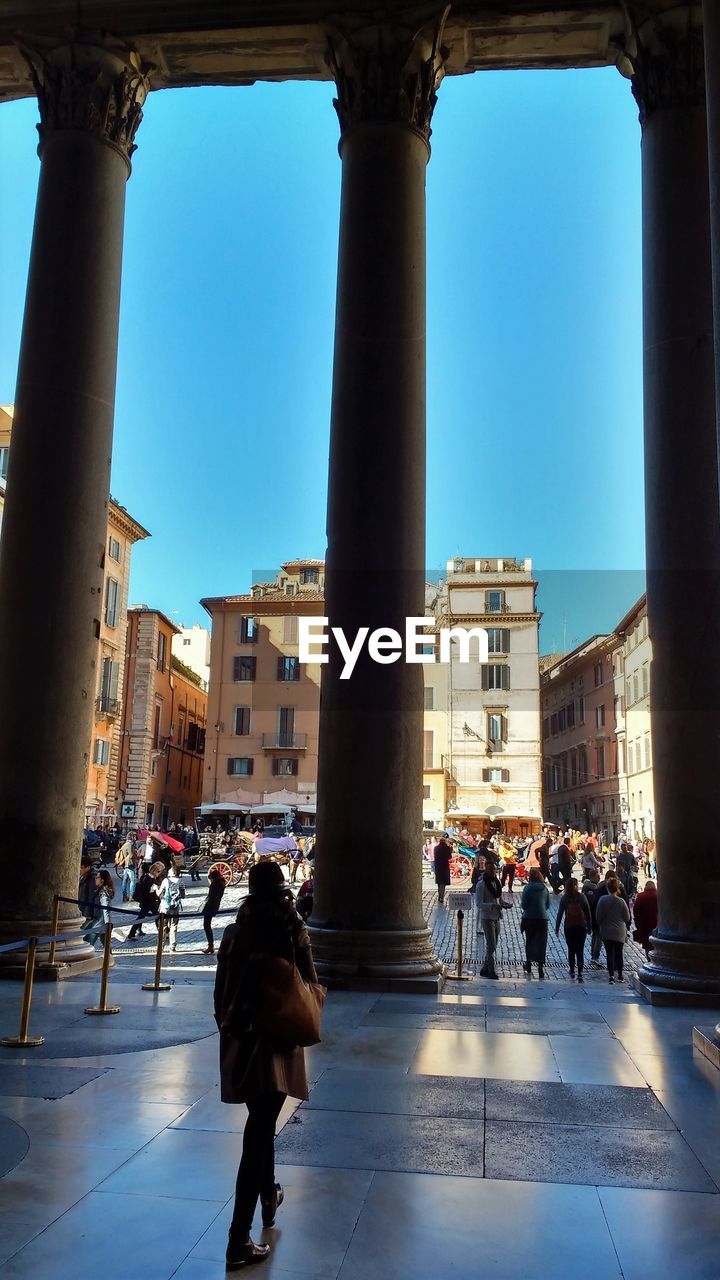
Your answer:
<point x="271" y="1206"/>
<point x="572" y="975"/>
<point x="580" y="978"/>
<point x="484" y="973"/>
<point x="541" y="971"/>
<point x="244" y="1255"/>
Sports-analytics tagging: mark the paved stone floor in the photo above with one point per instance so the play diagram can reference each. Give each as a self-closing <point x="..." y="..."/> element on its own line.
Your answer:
<point x="510" y="1129"/>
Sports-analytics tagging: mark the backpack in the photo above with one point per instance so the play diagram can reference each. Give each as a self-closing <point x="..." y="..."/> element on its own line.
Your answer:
<point x="574" y="915"/>
<point x="174" y="893"/>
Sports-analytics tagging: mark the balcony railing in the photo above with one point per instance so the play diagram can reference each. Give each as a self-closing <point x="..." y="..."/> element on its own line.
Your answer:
<point x="284" y="741"/>
<point x="107" y="706"/>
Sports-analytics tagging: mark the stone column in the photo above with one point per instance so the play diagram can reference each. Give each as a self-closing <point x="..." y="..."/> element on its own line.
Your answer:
<point x="52" y="555"/>
<point x="368" y="927"/>
<point x="682" y="507"/>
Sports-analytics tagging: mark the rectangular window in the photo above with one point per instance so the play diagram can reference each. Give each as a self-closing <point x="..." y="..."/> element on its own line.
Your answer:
<point x="628" y="695"/>
<point x="244" y="668"/>
<point x="570" y="715"/>
<point x="601" y="761"/>
<point x="247" y="631"/>
<point x="156" y="726"/>
<point x="496" y="775"/>
<point x="108" y="692"/>
<point x="284" y="767"/>
<point x="582" y="766"/>
<point x="240" y="766"/>
<point x="309" y="575"/>
<point x="647" y="750"/>
<point x="631" y="758"/>
<point x="495" y="676"/>
<point x="573" y="770"/>
<point x="600" y="716"/>
<point x="4" y="455"/>
<point x="290" y="589"/>
<point x="114" y="549"/>
<point x="288" y="669"/>
<point x="598" y="674"/>
<point x="426" y="793"/>
<point x="498" y="639"/>
<point x="286" y="726"/>
<point x="187" y="641"/>
<point x="429" y="695"/>
<point x="546" y="728"/>
<point x="101" y="754"/>
<point x="553" y="723"/>
<point x="496" y="730"/>
<point x="494" y="601"/>
<point x="581" y="709"/>
<point x="636" y="689"/>
<point x="290" y="628"/>
<point x="562" y="720"/>
<point x="645" y="678"/>
<point x="428" y="748"/>
<point x="112" y="599"/>
<point x="241" y="721"/>
<point x="161" y="651"/>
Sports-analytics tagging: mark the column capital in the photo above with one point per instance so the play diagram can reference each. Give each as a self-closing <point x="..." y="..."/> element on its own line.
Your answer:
<point x="95" y="85"/>
<point x="663" y="57"/>
<point x="387" y="71"/>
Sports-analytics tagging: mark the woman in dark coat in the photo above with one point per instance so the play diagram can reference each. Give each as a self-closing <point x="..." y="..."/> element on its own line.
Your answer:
<point x="441" y="858"/>
<point x="252" y="1069"/>
<point x="645" y="911"/>
<point x="216" y="889"/>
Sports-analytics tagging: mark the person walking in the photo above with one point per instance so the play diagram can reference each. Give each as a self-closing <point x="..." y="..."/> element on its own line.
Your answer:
<point x="574" y="909"/>
<point x="613" y="917"/>
<point x="252" y="1069"/>
<point x="565" y="861"/>
<point x="535" y="906"/>
<point x="509" y="866"/>
<point x="148" y="897"/>
<point x="488" y="896"/>
<point x="125" y="859"/>
<point x="216" y="882"/>
<point x="590" y="887"/>
<point x="104" y="894"/>
<point x="645" y="911"/>
<point x="171" y="892"/>
<point x="441" y="860"/>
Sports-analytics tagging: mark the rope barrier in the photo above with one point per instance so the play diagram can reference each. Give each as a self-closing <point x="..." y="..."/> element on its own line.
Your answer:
<point x="103" y="1006"/>
<point x="156" y="984"/>
<point x="22" y="1040"/>
<point x="134" y="911"/>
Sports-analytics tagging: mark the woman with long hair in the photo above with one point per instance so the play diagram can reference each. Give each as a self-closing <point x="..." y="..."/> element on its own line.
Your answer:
<point x="104" y="894"/>
<point x="535" y="905"/>
<point x="253" y="1069"/>
<point x="574" y="909"/>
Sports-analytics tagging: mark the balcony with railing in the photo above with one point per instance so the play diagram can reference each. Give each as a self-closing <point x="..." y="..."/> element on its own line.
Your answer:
<point x="107" y="706"/>
<point x="284" y="741"/>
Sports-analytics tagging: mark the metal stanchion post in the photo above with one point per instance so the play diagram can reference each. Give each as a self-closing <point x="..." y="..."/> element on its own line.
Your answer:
<point x="157" y="985"/>
<point x="103" y="1006"/>
<point x="23" y="1040"/>
<point x="459" y="976"/>
<point x="54" y="927"/>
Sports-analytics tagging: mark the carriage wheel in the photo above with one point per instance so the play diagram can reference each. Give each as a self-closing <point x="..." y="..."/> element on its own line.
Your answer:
<point x="225" y="870"/>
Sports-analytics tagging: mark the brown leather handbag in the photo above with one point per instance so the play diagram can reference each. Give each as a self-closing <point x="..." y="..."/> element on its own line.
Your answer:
<point x="290" y="1008"/>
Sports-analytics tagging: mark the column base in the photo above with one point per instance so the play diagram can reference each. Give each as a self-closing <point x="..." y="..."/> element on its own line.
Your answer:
<point x="376" y="960"/>
<point x="681" y="973"/>
<point x="76" y="955"/>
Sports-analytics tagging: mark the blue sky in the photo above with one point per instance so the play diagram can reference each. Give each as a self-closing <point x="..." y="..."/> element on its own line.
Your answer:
<point x="225" y="363"/>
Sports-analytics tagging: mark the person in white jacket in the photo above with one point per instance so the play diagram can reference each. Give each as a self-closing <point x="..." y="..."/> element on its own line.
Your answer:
<point x="171" y="893"/>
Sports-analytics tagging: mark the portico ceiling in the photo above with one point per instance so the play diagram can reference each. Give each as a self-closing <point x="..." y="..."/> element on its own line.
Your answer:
<point x="236" y="42"/>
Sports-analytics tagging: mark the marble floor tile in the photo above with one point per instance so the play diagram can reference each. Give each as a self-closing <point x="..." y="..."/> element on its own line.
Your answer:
<point x="154" y="1240"/>
<point x="423" y="1227"/>
<point x="548" y="1022"/>
<point x="74" y="1122"/>
<point x="389" y="1017"/>
<point x="353" y="1140"/>
<point x="14" y="1145"/>
<point x="592" y="1155"/>
<point x="394" y="1092"/>
<point x="15" y="1233"/>
<point x="531" y="1102"/>
<point x="502" y="1055"/>
<point x="50" y="1179"/>
<point x="314" y="1224"/>
<point x="43" y="1081"/>
<point x="210" y="1113"/>
<point x="374" y="1047"/>
<point x="664" y="1234"/>
<point x="592" y="1060"/>
<point x="193" y="1164"/>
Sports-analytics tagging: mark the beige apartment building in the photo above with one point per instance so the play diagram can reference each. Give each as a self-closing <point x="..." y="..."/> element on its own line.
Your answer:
<point x="164" y="725"/>
<point x="637" y="662"/>
<point x="123" y="532"/>
<point x="263" y="706"/>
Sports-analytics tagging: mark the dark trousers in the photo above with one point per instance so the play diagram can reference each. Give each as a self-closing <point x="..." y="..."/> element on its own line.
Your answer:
<point x="142" y="915"/>
<point x="256" y="1174"/>
<point x="207" y="926"/>
<point x="507" y="873"/>
<point x="575" y="938"/>
<point x="614" y="953"/>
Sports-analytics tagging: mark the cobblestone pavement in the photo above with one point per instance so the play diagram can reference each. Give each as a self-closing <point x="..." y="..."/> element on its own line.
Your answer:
<point x="442" y="921"/>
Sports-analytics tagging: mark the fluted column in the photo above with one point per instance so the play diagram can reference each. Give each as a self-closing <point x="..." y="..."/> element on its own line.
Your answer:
<point x="52" y="555"/>
<point x="682" y="506"/>
<point x="368" y="926"/>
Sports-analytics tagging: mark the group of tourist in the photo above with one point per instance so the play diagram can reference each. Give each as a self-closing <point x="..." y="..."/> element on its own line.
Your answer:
<point x="599" y="906"/>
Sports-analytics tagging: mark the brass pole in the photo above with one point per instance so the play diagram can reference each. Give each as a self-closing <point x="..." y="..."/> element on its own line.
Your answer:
<point x="54" y="927"/>
<point x="459" y="976"/>
<point x="103" y="1006"/>
<point x="157" y="985"/>
<point x="23" y="1040"/>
